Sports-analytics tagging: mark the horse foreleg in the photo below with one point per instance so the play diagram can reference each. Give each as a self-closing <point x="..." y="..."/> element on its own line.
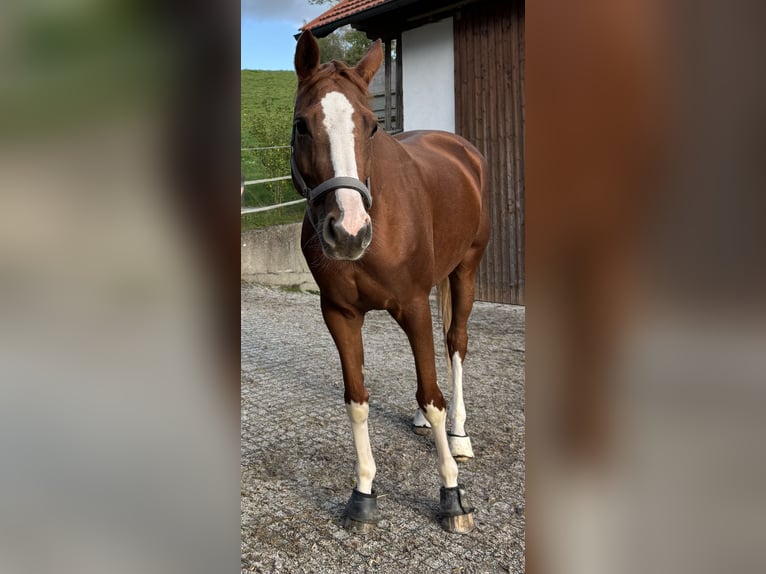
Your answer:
<point x="346" y="329"/>
<point x="455" y="514"/>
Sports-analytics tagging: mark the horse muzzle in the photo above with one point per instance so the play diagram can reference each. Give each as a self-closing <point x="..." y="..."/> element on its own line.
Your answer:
<point x="344" y="242"/>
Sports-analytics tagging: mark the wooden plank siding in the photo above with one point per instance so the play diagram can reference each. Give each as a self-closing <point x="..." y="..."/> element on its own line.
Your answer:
<point x="489" y="112"/>
<point x="387" y="109"/>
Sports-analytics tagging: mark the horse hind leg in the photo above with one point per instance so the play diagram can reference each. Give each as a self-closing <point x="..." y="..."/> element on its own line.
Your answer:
<point x="459" y="441"/>
<point x="455" y="514"/>
<point x="460" y="444"/>
<point x="420" y="424"/>
<point x="461" y="292"/>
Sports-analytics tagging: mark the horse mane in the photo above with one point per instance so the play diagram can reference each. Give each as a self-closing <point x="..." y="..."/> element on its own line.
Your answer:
<point x="336" y="70"/>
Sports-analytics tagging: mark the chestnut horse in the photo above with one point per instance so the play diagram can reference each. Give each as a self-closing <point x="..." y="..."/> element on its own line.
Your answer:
<point x="387" y="219"/>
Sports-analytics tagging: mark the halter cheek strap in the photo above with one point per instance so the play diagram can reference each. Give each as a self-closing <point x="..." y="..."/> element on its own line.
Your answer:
<point x="314" y="195"/>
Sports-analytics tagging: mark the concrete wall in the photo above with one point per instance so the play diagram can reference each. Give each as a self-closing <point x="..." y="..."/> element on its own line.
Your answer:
<point x="428" y="77"/>
<point x="272" y="256"/>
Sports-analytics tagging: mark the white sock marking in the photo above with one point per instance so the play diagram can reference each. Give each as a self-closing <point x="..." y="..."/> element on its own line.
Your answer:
<point x="420" y="420"/>
<point x="339" y="124"/>
<point x="447" y="464"/>
<point x="365" y="464"/>
<point x="457" y="406"/>
<point x="459" y="442"/>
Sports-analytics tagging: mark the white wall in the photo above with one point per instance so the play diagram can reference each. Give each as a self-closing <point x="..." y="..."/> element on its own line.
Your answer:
<point x="428" y="77"/>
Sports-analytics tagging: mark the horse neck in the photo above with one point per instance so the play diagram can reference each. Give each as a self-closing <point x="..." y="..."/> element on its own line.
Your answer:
<point x="386" y="145"/>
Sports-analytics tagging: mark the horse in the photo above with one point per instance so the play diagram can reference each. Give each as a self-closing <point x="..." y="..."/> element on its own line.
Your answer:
<point x="387" y="219"/>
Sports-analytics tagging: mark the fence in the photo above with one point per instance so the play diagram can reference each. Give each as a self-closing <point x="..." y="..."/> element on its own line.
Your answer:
<point x="271" y="186"/>
<point x="271" y="189"/>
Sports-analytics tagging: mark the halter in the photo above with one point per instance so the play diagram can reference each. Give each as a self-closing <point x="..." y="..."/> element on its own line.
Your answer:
<point x="314" y="195"/>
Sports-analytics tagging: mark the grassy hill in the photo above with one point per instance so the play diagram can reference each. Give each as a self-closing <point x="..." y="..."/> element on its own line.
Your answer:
<point x="266" y="120"/>
<point x="267" y="107"/>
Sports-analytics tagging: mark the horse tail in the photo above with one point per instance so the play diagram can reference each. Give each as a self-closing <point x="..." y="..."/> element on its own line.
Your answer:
<point x="444" y="304"/>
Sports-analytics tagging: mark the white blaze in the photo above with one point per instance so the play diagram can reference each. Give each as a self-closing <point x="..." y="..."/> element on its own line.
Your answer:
<point x="339" y="124"/>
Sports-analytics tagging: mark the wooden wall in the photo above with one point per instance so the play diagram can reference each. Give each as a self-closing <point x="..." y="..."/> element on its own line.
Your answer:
<point x="489" y="112"/>
<point x="378" y="98"/>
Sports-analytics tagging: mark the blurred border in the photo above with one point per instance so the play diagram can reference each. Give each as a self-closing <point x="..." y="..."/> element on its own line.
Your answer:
<point x="646" y="291"/>
<point x="119" y="286"/>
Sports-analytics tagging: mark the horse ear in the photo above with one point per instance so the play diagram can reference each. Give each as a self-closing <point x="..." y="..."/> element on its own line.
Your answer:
<point x="306" y="55"/>
<point x="371" y="61"/>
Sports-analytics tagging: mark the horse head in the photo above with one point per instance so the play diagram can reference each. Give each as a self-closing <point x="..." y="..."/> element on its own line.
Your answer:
<point x="331" y="156"/>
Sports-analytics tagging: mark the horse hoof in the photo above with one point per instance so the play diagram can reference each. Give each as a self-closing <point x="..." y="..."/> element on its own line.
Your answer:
<point x="460" y="447"/>
<point x="455" y="514"/>
<point x="460" y="524"/>
<point x="422" y="431"/>
<point x="357" y="527"/>
<point x="361" y="512"/>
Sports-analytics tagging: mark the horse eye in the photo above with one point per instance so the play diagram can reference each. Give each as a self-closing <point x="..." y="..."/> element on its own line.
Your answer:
<point x="301" y="127"/>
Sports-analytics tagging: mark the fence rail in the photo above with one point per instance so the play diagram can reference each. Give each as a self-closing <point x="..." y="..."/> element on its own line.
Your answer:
<point x="260" y="148"/>
<point x="255" y="181"/>
<point x="248" y="210"/>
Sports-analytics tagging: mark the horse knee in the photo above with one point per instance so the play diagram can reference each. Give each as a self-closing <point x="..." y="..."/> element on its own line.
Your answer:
<point x="429" y="398"/>
<point x="435" y="416"/>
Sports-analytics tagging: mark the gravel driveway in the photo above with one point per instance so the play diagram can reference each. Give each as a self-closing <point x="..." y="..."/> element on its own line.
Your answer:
<point x="298" y="457"/>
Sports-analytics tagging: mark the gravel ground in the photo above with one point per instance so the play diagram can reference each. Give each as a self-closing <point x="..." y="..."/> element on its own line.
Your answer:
<point x="298" y="457"/>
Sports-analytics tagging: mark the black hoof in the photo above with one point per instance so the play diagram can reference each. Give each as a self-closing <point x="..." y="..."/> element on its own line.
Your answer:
<point x="455" y="514"/>
<point x="361" y="512"/>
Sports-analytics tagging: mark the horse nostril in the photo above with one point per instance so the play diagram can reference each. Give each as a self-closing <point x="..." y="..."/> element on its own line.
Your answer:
<point x="329" y="230"/>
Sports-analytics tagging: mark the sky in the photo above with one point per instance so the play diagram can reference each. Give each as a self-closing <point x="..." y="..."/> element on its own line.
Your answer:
<point x="268" y="28"/>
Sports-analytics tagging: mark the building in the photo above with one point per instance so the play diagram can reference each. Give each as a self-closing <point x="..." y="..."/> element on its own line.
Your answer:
<point x="459" y="66"/>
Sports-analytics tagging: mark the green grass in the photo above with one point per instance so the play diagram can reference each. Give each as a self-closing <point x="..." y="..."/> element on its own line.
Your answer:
<point x="289" y="214"/>
<point x="266" y="120"/>
<point x="267" y="106"/>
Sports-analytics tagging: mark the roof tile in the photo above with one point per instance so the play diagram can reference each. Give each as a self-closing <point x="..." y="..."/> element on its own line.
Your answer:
<point x="342" y="10"/>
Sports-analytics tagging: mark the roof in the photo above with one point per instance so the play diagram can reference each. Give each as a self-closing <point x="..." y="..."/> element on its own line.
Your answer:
<point x="342" y="10"/>
<point x="360" y="13"/>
